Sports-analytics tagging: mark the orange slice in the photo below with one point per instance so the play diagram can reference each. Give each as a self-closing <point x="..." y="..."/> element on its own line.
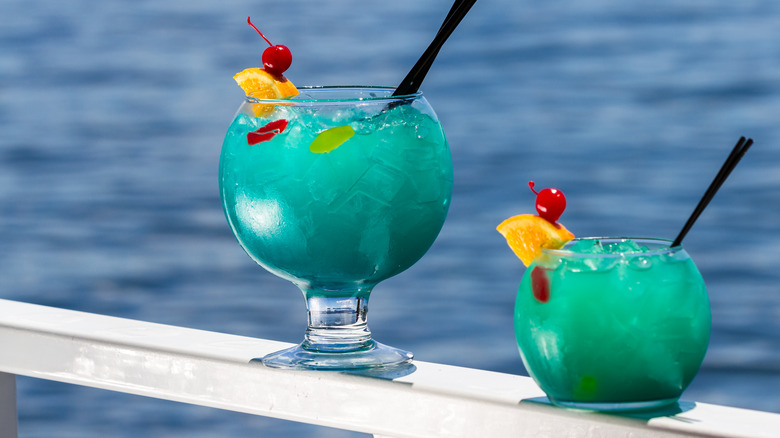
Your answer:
<point x="260" y="84"/>
<point x="528" y="234"/>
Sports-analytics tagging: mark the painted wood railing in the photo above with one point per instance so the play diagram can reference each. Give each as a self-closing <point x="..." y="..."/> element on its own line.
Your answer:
<point x="214" y="369"/>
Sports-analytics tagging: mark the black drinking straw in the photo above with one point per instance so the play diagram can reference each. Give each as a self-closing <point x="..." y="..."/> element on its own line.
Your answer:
<point x="411" y="83"/>
<point x="731" y="162"/>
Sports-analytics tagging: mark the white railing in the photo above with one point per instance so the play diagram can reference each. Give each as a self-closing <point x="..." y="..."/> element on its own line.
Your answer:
<point x="214" y="369"/>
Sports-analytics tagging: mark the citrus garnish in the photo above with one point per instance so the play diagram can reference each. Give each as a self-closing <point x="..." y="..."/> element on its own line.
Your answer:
<point x="268" y="82"/>
<point x="261" y="84"/>
<point x="528" y="234"/>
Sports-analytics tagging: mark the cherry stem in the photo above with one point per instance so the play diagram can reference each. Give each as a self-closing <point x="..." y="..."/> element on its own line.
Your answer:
<point x="736" y="154"/>
<point x="248" y="20"/>
<point x="532" y="184"/>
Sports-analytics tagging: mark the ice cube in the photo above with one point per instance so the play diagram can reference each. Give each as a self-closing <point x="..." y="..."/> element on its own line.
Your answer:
<point x="622" y="247"/>
<point x="600" y="263"/>
<point x="587" y="246"/>
<point x="320" y="180"/>
<point x="363" y="127"/>
<point x="383" y="182"/>
<point x="590" y="247"/>
<point x="640" y="263"/>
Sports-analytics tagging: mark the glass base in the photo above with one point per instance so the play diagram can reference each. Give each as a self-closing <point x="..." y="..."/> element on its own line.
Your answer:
<point x="375" y="355"/>
<point x="616" y="407"/>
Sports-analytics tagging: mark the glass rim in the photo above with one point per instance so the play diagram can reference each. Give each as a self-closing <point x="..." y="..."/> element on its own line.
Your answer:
<point x="297" y="100"/>
<point x="664" y="247"/>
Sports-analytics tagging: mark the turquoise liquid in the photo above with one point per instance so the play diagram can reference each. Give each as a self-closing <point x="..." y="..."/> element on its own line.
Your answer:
<point x="338" y="222"/>
<point x="613" y="329"/>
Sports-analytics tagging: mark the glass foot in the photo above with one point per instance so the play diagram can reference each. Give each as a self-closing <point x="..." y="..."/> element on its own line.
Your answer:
<point x="616" y="407"/>
<point x="375" y="355"/>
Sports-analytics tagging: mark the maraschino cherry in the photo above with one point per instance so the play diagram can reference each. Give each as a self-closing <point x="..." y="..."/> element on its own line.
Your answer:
<point x="550" y="203"/>
<point x="277" y="58"/>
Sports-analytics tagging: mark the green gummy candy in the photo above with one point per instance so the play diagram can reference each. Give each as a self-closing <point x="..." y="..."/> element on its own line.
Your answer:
<point x="331" y="138"/>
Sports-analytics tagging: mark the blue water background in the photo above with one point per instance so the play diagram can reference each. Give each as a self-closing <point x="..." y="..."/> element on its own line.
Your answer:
<point x="112" y="116"/>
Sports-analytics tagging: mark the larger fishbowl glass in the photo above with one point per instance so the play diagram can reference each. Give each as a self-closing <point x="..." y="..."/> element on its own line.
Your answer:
<point x="613" y="324"/>
<point x="336" y="190"/>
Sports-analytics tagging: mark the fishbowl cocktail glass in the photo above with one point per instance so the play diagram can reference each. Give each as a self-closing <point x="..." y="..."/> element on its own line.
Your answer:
<point x="613" y="324"/>
<point x="336" y="190"/>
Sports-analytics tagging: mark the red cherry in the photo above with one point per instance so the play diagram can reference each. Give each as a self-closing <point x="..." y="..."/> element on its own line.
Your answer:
<point x="550" y="203"/>
<point x="277" y="58"/>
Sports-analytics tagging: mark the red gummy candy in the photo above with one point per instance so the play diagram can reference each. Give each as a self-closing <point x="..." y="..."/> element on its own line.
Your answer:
<point x="266" y="132"/>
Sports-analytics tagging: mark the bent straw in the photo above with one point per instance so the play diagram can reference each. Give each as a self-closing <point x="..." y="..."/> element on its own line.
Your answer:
<point x="411" y="83"/>
<point x="736" y="154"/>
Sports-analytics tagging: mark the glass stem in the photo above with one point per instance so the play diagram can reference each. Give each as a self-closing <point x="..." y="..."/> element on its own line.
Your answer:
<point x="337" y="321"/>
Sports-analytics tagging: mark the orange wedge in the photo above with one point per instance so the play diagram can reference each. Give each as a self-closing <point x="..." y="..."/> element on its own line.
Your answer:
<point x="528" y="234"/>
<point x="260" y="84"/>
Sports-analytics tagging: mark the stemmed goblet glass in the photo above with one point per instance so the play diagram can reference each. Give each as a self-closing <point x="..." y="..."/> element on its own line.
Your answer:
<point x="336" y="190"/>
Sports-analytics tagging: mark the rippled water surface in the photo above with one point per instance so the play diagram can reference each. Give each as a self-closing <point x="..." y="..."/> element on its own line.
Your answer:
<point x="112" y="116"/>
